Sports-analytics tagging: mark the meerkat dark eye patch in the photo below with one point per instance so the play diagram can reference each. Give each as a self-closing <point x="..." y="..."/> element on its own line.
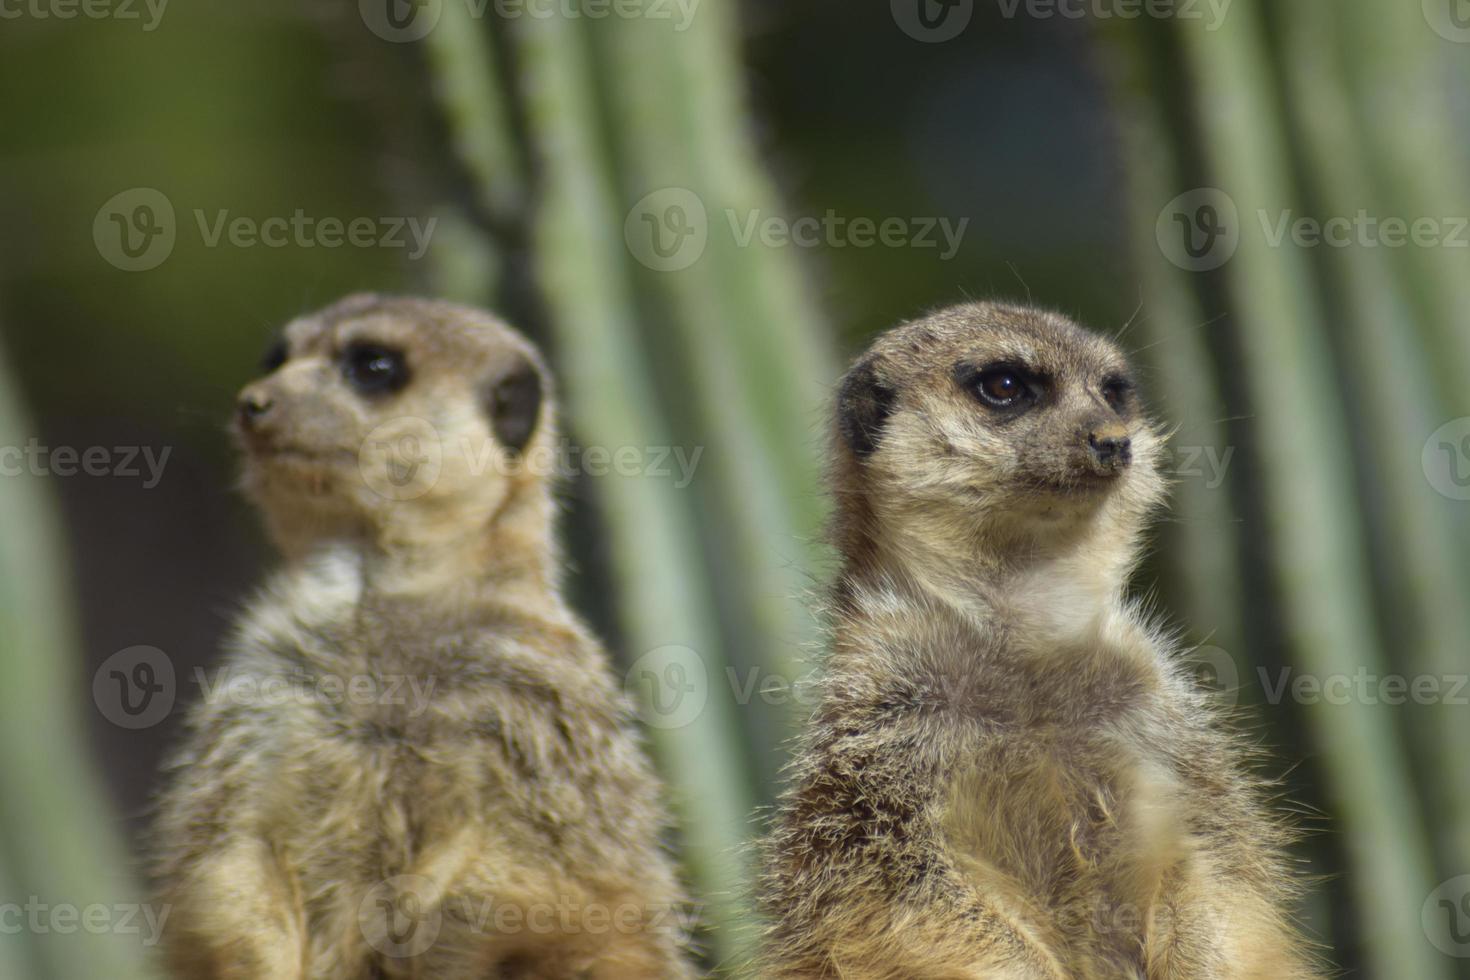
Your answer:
<point x="1000" y="385"/>
<point x="864" y="404"/>
<point x="274" y="357"/>
<point x="1117" y="392"/>
<point x="514" y="405"/>
<point x="374" y="369"/>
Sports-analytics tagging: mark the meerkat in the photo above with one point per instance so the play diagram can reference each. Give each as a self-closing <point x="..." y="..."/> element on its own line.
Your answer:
<point x="1010" y="772"/>
<point x="415" y="762"/>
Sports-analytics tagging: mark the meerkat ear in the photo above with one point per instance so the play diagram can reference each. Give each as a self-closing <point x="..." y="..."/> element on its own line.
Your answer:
<point x="514" y="405"/>
<point x="864" y="403"/>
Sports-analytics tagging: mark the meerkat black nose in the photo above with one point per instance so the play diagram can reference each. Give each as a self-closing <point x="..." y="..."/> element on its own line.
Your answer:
<point x="1110" y="446"/>
<point x="252" y="407"/>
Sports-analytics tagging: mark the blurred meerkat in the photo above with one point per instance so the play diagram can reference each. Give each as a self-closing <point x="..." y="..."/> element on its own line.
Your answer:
<point x="1010" y="774"/>
<point x="416" y="763"/>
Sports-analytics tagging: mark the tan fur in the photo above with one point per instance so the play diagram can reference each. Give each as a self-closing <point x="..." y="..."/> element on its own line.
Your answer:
<point x="1010" y="774"/>
<point x="507" y="811"/>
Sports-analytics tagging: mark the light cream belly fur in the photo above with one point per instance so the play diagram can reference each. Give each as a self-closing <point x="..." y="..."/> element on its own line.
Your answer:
<point x="414" y="876"/>
<point x="1075" y="839"/>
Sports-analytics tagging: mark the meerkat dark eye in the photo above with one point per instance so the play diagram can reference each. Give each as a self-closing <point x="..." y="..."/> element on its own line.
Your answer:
<point x="1115" y="392"/>
<point x="375" y="370"/>
<point x="274" y="357"/>
<point x="1001" y="386"/>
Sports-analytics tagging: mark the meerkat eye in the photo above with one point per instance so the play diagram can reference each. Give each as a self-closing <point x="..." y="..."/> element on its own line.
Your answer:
<point x="374" y="370"/>
<point x="274" y="357"/>
<point x="1001" y="386"/>
<point x="1115" y="392"/>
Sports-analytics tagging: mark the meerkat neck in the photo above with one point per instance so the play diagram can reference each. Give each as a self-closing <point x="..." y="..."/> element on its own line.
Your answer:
<point x="512" y="557"/>
<point x="1054" y="586"/>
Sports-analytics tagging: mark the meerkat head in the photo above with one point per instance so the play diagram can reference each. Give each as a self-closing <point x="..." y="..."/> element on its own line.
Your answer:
<point x="995" y="431"/>
<point x="398" y="423"/>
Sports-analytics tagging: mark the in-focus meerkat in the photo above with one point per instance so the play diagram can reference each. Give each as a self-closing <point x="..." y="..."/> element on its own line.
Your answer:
<point x="415" y="761"/>
<point x="1010" y="774"/>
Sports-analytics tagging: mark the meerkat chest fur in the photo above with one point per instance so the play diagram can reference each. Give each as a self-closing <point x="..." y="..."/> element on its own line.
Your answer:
<point x="1070" y="785"/>
<point x="399" y="710"/>
<point x="1055" y="729"/>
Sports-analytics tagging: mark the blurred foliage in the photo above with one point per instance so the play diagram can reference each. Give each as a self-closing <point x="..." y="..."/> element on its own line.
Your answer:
<point x="533" y="141"/>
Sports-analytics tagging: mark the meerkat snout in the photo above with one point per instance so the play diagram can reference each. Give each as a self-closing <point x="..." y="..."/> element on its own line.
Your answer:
<point x="250" y="408"/>
<point x="1111" y="448"/>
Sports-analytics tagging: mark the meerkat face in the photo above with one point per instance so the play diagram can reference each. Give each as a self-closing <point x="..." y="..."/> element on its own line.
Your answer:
<point x="1012" y="415"/>
<point x="390" y="417"/>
